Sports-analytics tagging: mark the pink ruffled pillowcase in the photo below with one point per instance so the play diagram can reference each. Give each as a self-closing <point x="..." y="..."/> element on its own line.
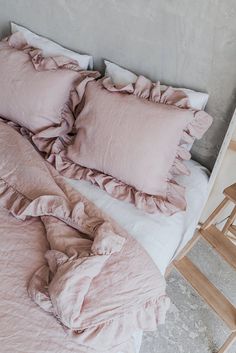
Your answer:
<point x="38" y="93"/>
<point x="131" y="140"/>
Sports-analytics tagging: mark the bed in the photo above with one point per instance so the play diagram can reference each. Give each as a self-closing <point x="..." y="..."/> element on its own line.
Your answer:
<point x="22" y="323"/>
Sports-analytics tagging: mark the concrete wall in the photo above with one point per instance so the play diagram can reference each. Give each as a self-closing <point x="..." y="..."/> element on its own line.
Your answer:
<point x="188" y="43"/>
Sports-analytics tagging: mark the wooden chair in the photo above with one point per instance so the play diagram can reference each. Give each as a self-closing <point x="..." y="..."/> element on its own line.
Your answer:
<point x="221" y="242"/>
<point x="229" y="227"/>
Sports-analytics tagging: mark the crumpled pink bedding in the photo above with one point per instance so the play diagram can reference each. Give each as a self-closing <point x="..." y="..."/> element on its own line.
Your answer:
<point x="23" y="327"/>
<point x="97" y="281"/>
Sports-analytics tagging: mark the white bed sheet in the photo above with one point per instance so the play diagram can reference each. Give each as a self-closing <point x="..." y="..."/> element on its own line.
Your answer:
<point x="161" y="236"/>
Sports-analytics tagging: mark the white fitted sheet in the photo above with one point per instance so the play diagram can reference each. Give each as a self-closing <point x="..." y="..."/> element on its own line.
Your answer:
<point x="161" y="236"/>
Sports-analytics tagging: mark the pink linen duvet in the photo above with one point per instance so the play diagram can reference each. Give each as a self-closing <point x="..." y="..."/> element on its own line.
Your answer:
<point x="96" y="280"/>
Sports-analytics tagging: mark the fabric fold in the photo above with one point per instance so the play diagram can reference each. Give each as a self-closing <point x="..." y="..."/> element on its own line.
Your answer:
<point x="175" y="199"/>
<point x="73" y="275"/>
<point x="50" y="101"/>
<point x="173" y="202"/>
<point x="86" y="263"/>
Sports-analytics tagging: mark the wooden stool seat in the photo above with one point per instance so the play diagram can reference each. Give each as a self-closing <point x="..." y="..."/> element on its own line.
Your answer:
<point x="221" y="244"/>
<point x="230" y="192"/>
<point x="230" y="197"/>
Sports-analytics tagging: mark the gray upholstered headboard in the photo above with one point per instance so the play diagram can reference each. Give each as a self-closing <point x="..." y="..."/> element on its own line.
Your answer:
<point x="180" y="42"/>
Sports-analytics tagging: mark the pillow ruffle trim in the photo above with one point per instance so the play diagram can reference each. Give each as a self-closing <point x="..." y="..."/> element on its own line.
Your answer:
<point x="154" y="92"/>
<point x="173" y="202"/>
<point x="175" y="193"/>
<point x="157" y="93"/>
<point x="44" y="140"/>
<point x="54" y="140"/>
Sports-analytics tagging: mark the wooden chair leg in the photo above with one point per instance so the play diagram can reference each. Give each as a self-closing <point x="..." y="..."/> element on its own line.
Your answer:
<point x="215" y="213"/>
<point x="169" y="270"/>
<point x="232" y="229"/>
<point x="183" y="252"/>
<point x="230" y="221"/>
<point x="228" y="343"/>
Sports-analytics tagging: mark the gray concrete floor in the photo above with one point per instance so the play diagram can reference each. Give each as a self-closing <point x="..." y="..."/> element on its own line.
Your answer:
<point x="191" y="326"/>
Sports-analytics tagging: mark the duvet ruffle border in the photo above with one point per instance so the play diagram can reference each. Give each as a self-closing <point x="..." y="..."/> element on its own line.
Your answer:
<point x="145" y="315"/>
<point x="174" y="200"/>
<point x="74" y="215"/>
<point x="151" y="314"/>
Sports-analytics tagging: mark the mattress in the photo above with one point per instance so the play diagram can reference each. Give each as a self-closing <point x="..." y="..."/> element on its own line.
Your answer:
<point x="162" y="236"/>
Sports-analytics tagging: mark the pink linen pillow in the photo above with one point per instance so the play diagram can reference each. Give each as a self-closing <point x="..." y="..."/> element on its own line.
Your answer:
<point x="37" y="92"/>
<point x="129" y="142"/>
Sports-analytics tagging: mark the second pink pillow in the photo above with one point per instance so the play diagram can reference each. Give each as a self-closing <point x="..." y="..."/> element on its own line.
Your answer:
<point x="130" y="145"/>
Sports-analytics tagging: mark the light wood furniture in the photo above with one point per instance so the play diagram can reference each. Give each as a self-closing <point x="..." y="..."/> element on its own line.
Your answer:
<point x="232" y="145"/>
<point x="221" y="242"/>
<point x="228" y="143"/>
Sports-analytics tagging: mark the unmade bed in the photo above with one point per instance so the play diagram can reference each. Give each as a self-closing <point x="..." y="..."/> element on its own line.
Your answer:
<point x="23" y="327"/>
<point x="98" y="194"/>
<point x="22" y="323"/>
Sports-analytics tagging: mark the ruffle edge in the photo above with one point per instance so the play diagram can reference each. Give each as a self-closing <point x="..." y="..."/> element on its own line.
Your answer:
<point x="173" y="202"/>
<point x="146" y="315"/>
<point x="104" y="238"/>
<point x="175" y="193"/>
<point x="151" y="313"/>
<point x="45" y="139"/>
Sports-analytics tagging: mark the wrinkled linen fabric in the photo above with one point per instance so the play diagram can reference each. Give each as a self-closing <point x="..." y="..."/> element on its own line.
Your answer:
<point x="122" y="77"/>
<point x="23" y="326"/>
<point x="38" y="92"/>
<point x="131" y="142"/>
<point x="98" y="281"/>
